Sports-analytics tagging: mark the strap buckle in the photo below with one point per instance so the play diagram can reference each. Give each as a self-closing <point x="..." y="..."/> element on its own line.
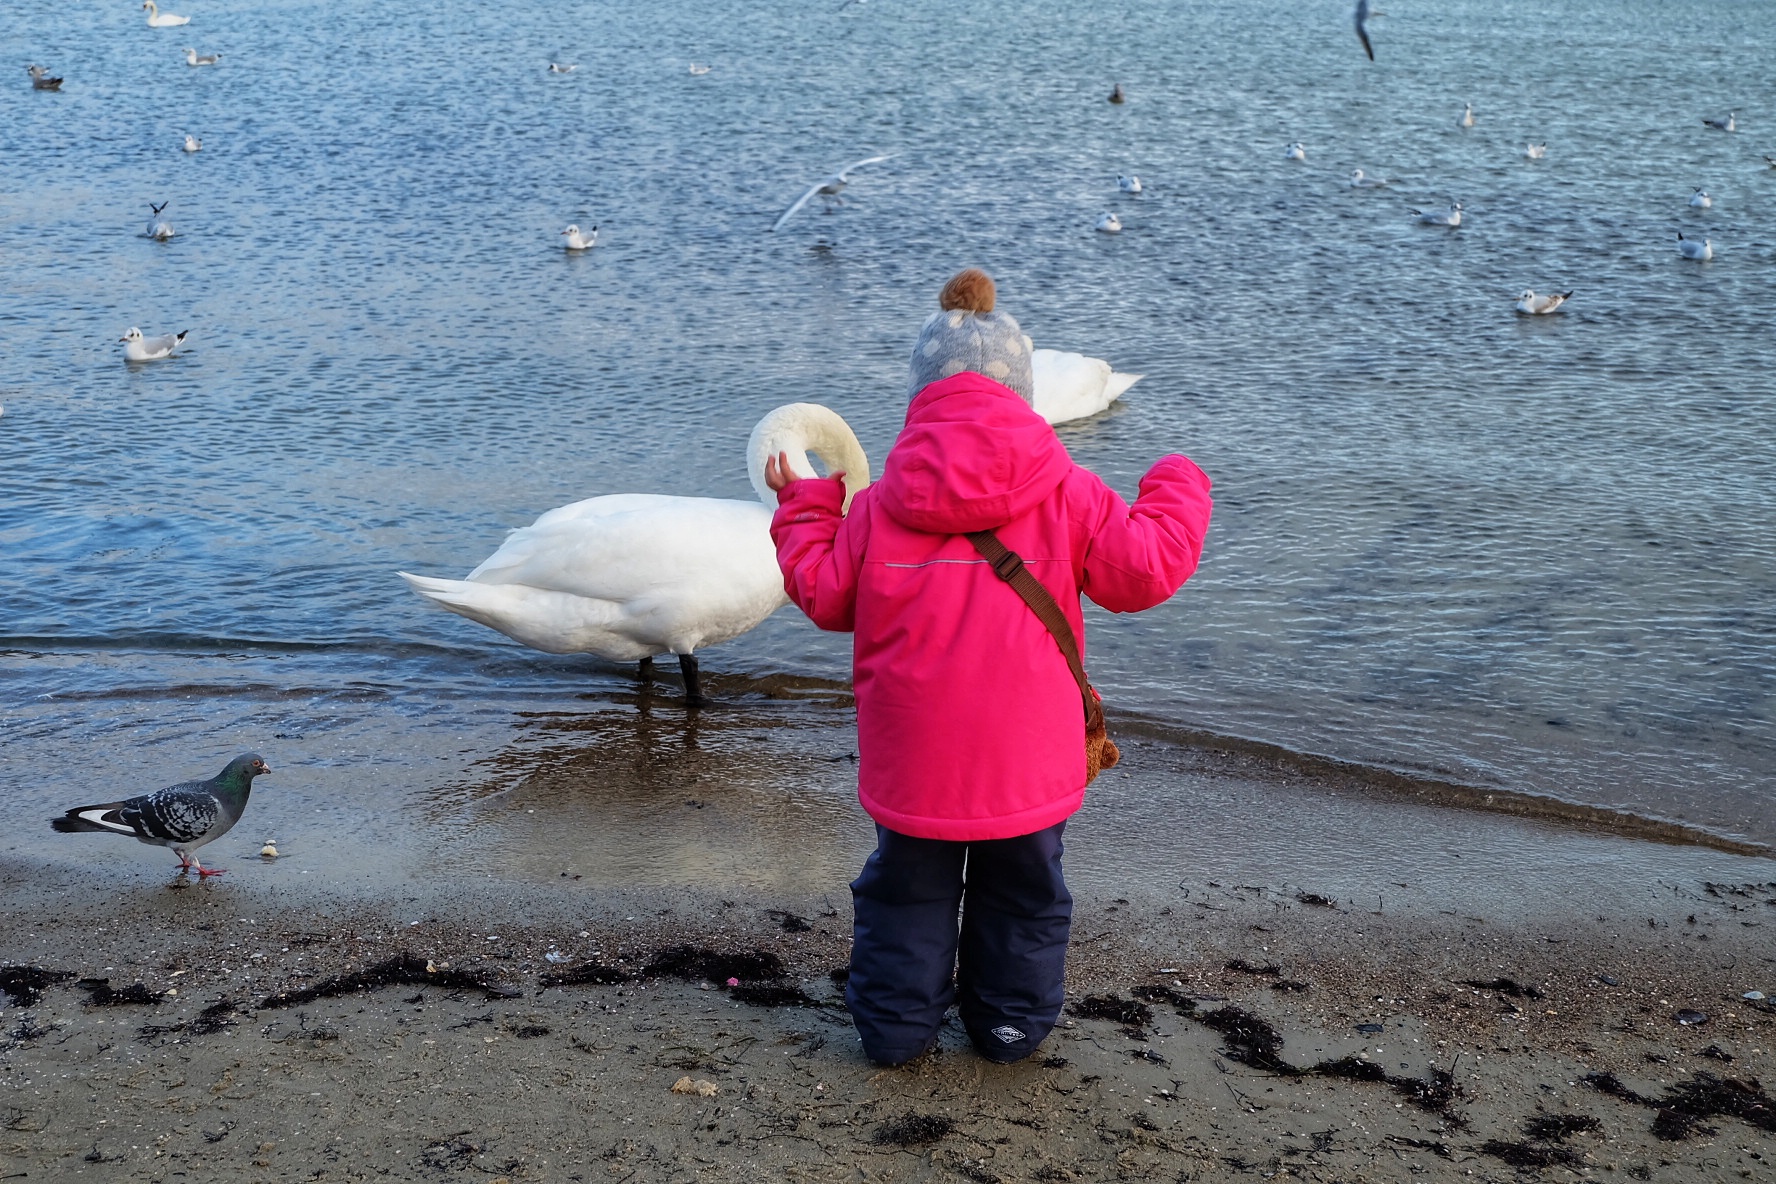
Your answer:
<point x="1007" y="566"/>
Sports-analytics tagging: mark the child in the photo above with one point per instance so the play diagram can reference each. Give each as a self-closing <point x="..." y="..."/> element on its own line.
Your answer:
<point x="970" y="726"/>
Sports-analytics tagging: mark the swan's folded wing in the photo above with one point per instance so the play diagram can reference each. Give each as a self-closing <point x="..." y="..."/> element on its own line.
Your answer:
<point x="1068" y="386"/>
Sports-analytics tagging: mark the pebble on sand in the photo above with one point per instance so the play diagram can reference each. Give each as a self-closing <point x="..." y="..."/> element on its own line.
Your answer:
<point x="701" y="1088"/>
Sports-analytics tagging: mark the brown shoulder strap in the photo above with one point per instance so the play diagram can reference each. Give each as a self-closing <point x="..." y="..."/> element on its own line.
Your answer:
<point x="1008" y="565"/>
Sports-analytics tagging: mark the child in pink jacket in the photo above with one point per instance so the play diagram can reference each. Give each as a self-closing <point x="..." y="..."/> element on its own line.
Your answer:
<point x="971" y="731"/>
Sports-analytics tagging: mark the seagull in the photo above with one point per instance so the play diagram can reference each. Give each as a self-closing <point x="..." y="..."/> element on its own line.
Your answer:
<point x="580" y="242"/>
<point x="162" y="20"/>
<point x="1689" y="248"/>
<point x="159" y="228"/>
<point x="208" y="59"/>
<point x="138" y="348"/>
<point x="40" y="79"/>
<point x="1360" y="17"/>
<point x="1772" y="160"/>
<point x="555" y="68"/>
<point x="183" y="817"/>
<point x="193" y="144"/>
<point x="1723" y="125"/>
<point x="1109" y="223"/>
<point x="1129" y="184"/>
<point x="1452" y="217"/>
<point x="1295" y="151"/>
<point x="1700" y="200"/>
<point x="1116" y="93"/>
<point x="829" y="189"/>
<point x="1541" y="306"/>
<point x="699" y="69"/>
<point x="1535" y="151"/>
<point x="1467" y="119"/>
<point x="1359" y="181"/>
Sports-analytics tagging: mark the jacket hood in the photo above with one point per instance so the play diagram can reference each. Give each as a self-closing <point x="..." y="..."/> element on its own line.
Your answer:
<point x="973" y="455"/>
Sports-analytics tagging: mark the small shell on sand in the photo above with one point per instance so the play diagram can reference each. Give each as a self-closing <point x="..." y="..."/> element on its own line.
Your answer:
<point x="269" y="851"/>
<point x="703" y="1089"/>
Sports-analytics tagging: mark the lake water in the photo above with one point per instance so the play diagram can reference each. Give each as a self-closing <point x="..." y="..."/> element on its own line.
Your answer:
<point x="1533" y="553"/>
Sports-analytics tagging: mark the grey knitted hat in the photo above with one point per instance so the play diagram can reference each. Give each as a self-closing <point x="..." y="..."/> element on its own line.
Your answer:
<point x="968" y="335"/>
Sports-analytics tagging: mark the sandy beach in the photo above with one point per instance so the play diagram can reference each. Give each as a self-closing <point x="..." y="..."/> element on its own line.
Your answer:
<point x="428" y="1026"/>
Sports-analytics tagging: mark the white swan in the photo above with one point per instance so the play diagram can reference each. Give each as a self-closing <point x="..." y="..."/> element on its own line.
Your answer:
<point x="576" y="241"/>
<point x="193" y="144"/>
<point x="1689" y="248"/>
<point x="162" y="20"/>
<point x="1073" y="386"/>
<point x="1129" y="184"/>
<point x="631" y="575"/>
<point x="1452" y="217"/>
<point x="137" y="348"/>
<point x="1296" y="152"/>
<point x="1541" y="306"/>
<point x="1359" y="181"/>
<point x="1108" y="223"/>
<point x="1535" y="151"/>
<point x="159" y="228"/>
<point x="208" y="59"/>
<point x="1700" y="200"/>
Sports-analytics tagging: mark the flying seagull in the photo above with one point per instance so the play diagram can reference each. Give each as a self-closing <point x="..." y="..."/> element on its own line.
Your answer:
<point x="1359" y="18"/>
<point x="829" y="189"/>
<point x="182" y="817"/>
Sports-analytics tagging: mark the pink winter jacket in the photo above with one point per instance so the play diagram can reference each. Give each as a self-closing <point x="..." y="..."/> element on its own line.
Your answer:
<point x="969" y="724"/>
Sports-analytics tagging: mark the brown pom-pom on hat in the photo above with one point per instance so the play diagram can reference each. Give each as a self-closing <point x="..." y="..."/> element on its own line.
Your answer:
<point x="970" y="290"/>
<point x="967" y="335"/>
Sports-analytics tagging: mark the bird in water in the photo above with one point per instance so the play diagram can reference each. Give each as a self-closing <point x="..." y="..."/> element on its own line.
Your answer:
<point x="193" y="144"/>
<point x="208" y="59"/>
<point x="1296" y="152"/>
<point x="1452" y="217"/>
<point x="137" y="348"/>
<point x="698" y="69"/>
<point x="1129" y="184"/>
<point x="1541" y="306"/>
<point x="557" y="68"/>
<point x="159" y="228"/>
<point x="1535" y="151"/>
<point x="1108" y="223"/>
<point x="1116" y="94"/>
<point x="1467" y="116"/>
<point x="163" y="20"/>
<point x="1689" y="248"/>
<point x="1360" y="18"/>
<point x="1700" y="200"/>
<point x="828" y="189"/>
<point x="1728" y="124"/>
<point x="180" y="817"/>
<point x="576" y="241"/>
<point x="40" y="79"/>
<point x="1361" y="181"/>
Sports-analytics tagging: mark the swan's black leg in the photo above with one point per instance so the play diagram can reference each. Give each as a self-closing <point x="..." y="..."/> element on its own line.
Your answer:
<point x="646" y="668"/>
<point x="687" y="665"/>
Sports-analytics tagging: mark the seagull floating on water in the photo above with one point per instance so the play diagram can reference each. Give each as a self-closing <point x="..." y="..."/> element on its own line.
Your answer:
<point x="699" y="69"/>
<point x="1360" y="18"/>
<point x="137" y="348"/>
<point x="557" y="68"/>
<point x="1541" y="306"/>
<point x="159" y="228"/>
<point x="1295" y="151"/>
<point x="581" y="242"/>
<point x="1689" y="248"/>
<point x="181" y="817"/>
<point x="1535" y="151"/>
<point x="828" y="189"/>
<point x="193" y="144"/>
<point x="1700" y="200"/>
<point x="162" y="20"/>
<point x="1109" y="223"/>
<point x="208" y="59"/>
<point x="1359" y="181"/>
<point x="1129" y="184"/>
<point x="1467" y="119"/>
<point x="1452" y="217"/>
<point x="1723" y="125"/>
<point x="1116" y="93"/>
<point x="40" y="79"/>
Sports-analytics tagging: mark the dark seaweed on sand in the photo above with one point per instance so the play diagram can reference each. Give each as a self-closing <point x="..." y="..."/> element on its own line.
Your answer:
<point x="402" y="970"/>
<point x="1270" y="970"/>
<point x="1558" y="1127"/>
<point x="210" y="1020"/>
<point x="911" y="1129"/>
<point x="1532" y="1155"/>
<point x="1687" y="1105"/>
<point x="25" y="983"/>
<point x="1504" y="986"/>
<point x="1159" y="993"/>
<point x="586" y="974"/>
<point x="1109" y="1007"/>
<point x="695" y="962"/>
<point x="772" y="995"/>
<point x="101" y="994"/>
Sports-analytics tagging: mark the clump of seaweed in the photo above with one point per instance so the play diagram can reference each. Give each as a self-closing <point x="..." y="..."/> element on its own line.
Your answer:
<point x="100" y="993"/>
<point x="25" y="983"/>
<point x="1159" y="993"/>
<point x="1268" y="970"/>
<point x="403" y="970"/>
<point x="1109" y="1007"/>
<point x="912" y="1129"/>
<point x="1250" y="1040"/>
<point x="699" y="962"/>
<point x="586" y="974"/>
<point x="1687" y="1105"/>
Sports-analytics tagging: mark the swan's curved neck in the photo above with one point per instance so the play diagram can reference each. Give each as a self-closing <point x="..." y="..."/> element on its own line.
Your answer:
<point x="801" y="428"/>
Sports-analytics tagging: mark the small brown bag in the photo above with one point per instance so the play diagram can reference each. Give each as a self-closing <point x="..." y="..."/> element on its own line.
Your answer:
<point x="1100" y="751"/>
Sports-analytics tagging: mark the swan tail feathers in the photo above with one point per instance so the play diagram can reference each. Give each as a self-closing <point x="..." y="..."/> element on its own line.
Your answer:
<point x="1117" y="384"/>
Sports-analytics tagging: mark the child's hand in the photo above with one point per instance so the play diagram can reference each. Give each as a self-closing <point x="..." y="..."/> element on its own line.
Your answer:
<point x="778" y="474"/>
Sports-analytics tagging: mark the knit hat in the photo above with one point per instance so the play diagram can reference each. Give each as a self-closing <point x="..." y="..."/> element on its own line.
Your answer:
<point x="969" y="335"/>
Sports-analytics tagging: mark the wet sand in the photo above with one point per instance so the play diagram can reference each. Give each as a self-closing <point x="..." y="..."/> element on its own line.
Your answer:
<point x="1476" y="996"/>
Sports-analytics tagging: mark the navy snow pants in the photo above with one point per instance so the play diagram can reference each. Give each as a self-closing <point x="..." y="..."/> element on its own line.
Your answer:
<point x="1003" y="966"/>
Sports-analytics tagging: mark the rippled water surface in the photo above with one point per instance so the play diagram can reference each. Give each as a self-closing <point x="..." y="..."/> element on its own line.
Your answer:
<point x="1530" y="552"/>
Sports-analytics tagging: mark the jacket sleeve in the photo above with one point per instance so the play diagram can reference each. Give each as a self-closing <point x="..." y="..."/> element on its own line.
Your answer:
<point x="1138" y="556"/>
<point x="818" y="551"/>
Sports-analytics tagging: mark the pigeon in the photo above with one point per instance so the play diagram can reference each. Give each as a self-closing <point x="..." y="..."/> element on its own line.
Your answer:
<point x="1116" y="93"/>
<point x="577" y="241"/>
<point x="1360" y="17"/>
<point x="208" y="59"/>
<point x="1723" y="125"/>
<point x="137" y="348"/>
<point x="1689" y="248"/>
<point x="1700" y="200"/>
<point x="1129" y="184"/>
<point x="1109" y="223"/>
<point x="40" y="79"/>
<point x="828" y="189"/>
<point x="1296" y="151"/>
<point x="1541" y="306"/>
<point x="159" y="228"/>
<point x="1452" y="217"/>
<point x="183" y="817"/>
